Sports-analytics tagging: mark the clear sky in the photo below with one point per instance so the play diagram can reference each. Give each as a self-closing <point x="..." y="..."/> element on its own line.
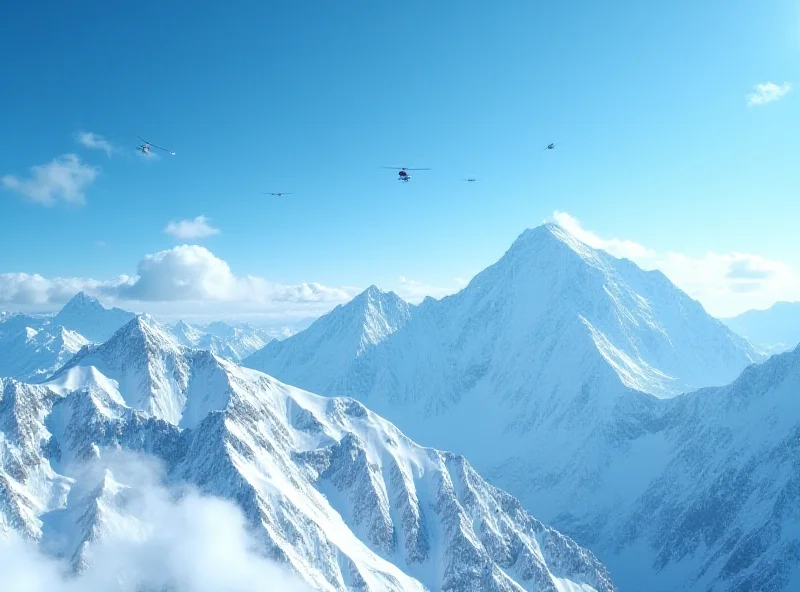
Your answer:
<point x="666" y="142"/>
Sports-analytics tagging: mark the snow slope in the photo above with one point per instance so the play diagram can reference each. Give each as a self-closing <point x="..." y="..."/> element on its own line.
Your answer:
<point x="330" y="488"/>
<point x="723" y="512"/>
<point x="31" y="354"/>
<point x="556" y="371"/>
<point x="334" y="343"/>
<point x="775" y="329"/>
<point x="85" y="315"/>
<point x="222" y="339"/>
<point x="655" y="337"/>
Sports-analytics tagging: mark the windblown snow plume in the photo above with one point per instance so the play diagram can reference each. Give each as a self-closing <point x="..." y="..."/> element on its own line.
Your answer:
<point x="148" y="537"/>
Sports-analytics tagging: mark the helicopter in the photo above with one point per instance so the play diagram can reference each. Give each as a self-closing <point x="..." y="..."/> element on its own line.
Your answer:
<point x="279" y="193"/>
<point x="551" y="146"/>
<point x="404" y="175"/>
<point x="145" y="148"/>
<point x="470" y="180"/>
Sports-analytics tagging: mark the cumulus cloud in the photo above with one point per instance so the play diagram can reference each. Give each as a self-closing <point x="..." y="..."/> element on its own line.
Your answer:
<point x="192" y="272"/>
<point x="95" y="142"/>
<point x="725" y="283"/>
<point x="151" y="538"/>
<point x="191" y="229"/>
<point x="66" y="178"/>
<point x="187" y="278"/>
<point x="35" y="291"/>
<point x="767" y="93"/>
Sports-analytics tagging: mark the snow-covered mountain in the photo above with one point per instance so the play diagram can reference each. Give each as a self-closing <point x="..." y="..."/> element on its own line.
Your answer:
<point x="33" y="354"/>
<point x="715" y="479"/>
<point x="335" y="342"/>
<point x="555" y="371"/>
<point x="775" y="329"/>
<point x="85" y="315"/>
<point x="32" y="347"/>
<point x="224" y="340"/>
<point x="328" y="487"/>
<point x="547" y="289"/>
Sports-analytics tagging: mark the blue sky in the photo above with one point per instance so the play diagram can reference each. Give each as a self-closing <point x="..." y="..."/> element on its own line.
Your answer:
<point x="660" y="147"/>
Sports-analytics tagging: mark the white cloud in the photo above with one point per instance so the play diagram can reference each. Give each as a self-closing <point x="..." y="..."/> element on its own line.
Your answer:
<point x="187" y="543"/>
<point x="767" y="93"/>
<point x="191" y="229"/>
<point x="725" y="283"/>
<point x="415" y="291"/>
<point x="189" y="279"/>
<point x="65" y="178"/>
<point x="33" y="291"/>
<point x="95" y="142"/>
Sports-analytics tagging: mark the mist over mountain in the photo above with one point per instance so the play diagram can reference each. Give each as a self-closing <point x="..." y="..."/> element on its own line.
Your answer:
<point x="775" y="329"/>
<point x="325" y="486"/>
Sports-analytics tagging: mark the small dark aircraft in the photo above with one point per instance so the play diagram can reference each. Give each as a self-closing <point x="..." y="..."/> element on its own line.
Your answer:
<point x="470" y="180"/>
<point x="551" y="146"/>
<point x="404" y="175"/>
<point x="279" y="193"/>
<point x="145" y="148"/>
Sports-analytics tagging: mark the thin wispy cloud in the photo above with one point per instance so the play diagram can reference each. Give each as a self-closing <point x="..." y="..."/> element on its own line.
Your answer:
<point x="767" y="92"/>
<point x="94" y="141"/>
<point x="65" y="179"/>
<point x="415" y="291"/>
<point x="191" y="229"/>
<point x="725" y="283"/>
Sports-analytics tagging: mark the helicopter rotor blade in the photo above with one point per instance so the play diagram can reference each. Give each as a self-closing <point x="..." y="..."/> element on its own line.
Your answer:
<point x="164" y="149"/>
<point x="156" y="145"/>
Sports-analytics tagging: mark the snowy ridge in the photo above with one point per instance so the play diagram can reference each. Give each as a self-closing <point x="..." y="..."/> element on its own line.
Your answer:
<point x="32" y="347"/>
<point x="85" y="315"/>
<point x="221" y="339"/>
<point x="32" y="354"/>
<point x="658" y="339"/>
<point x="721" y="512"/>
<point x="776" y="329"/>
<point x="542" y="372"/>
<point x="340" y="337"/>
<point x="330" y="488"/>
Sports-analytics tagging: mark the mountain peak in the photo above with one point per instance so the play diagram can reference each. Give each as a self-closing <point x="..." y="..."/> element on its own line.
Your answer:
<point x="357" y="326"/>
<point x="85" y="314"/>
<point x="146" y="327"/>
<point x="83" y="300"/>
<point x="550" y="239"/>
<point x="372" y="293"/>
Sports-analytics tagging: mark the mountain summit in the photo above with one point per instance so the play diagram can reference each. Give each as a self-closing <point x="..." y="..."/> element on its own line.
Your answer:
<point x="548" y="293"/>
<point x="85" y="315"/>
<point x="336" y="339"/>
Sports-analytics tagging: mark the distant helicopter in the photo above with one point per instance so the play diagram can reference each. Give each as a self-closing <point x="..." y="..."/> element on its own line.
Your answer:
<point x="551" y="146"/>
<point x="470" y="180"/>
<point x="404" y="175"/>
<point x="279" y="193"/>
<point x="145" y="148"/>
